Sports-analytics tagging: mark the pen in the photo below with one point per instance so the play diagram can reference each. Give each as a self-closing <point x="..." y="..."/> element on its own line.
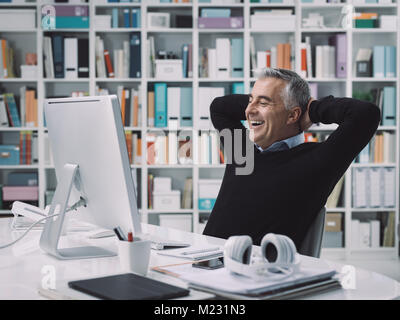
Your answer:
<point x="116" y="231"/>
<point x="121" y="233"/>
<point x="130" y="237"/>
<point x="200" y="251"/>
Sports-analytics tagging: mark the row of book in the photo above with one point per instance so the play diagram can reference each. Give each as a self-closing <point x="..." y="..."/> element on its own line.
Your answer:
<point x="24" y="116"/>
<point x="134" y="147"/>
<point x="130" y="103"/>
<point x="381" y="149"/>
<point x="131" y="18"/>
<point x="377" y="62"/>
<point x="374" y="187"/>
<point x="65" y="57"/>
<point x="26" y="152"/>
<point x="170" y="106"/>
<point x="372" y="233"/>
<point x="278" y="56"/>
<point x="324" y="61"/>
<point x="6" y="60"/>
<point x="223" y="61"/>
<point x="170" y="148"/>
<point x="385" y="99"/>
<point x="125" y="62"/>
<point x="210" y="149"/>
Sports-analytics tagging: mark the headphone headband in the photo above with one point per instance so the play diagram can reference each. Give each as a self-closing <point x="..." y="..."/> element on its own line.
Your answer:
<point x="277" y="257"/>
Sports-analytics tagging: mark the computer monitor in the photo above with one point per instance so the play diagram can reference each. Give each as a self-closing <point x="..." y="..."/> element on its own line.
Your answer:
<point x="91" y="161"/>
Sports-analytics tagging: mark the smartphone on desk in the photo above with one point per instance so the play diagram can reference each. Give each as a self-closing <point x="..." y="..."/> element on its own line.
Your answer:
<point x="211" y="264"/>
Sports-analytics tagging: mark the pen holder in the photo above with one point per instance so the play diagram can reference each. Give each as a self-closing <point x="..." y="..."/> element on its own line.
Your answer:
<point x="134" y="256"/>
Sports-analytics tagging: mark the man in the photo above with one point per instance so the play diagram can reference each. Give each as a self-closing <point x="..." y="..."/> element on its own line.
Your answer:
<point x="291" y="180"/>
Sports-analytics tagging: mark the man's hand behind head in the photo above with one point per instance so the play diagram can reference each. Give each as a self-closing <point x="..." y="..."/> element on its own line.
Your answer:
<point x="305" y="121"/>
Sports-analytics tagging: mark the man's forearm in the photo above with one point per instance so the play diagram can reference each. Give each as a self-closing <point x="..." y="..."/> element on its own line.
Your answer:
<point x="228" y="111"/>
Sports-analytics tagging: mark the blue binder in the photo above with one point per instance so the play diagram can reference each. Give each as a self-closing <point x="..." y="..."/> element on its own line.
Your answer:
<point x="114" y="18"/>
<point x="12" y="109"/>
<point x="216" y="12"/>
<point x="238" y="88"/>
<point x="135" y="18"/>
<point x="127" y="22"/>
<point x="378" y="66"/>
<point x="389" y="106"/>
<point x="186" y="109"/>
<point x="58" y="56"/>
<point x="185" y="57"/>
<point x="160" y="108"/>
<point x="237" y="57"/>
<point x="135" y="68"/>
<point x="390" y="61"/>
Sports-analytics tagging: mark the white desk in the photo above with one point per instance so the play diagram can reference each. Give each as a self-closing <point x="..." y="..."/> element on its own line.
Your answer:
<point x="24" y="266"/>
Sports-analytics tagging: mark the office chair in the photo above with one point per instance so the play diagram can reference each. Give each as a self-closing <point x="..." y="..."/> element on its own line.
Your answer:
<point x="311" y="245"/>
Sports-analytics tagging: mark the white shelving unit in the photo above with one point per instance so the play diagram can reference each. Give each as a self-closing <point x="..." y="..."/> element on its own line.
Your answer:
<point x="45" y="87"/>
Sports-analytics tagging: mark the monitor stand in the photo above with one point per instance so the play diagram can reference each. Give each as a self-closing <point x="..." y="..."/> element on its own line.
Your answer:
<point x="53" y="226"/>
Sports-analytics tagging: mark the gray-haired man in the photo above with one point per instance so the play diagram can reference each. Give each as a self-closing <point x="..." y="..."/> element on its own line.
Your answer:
<point x="291" y="180"/>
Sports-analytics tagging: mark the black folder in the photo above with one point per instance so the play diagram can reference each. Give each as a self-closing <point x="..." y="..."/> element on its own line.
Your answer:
<point x="128" y="286"/>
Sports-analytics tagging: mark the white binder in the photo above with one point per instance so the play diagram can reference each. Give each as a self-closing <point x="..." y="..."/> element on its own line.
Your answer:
<point x="174" y="103"/>
<point x="71" y="58"/>
<point x="223" y="57"/>
<point x="389" y="187"/>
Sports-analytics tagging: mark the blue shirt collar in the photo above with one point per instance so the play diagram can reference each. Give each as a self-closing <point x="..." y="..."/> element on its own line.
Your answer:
<point x="284" y="144"/>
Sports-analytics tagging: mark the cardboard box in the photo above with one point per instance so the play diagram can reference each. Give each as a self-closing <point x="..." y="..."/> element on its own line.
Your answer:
<point x="17" y="19"/>
<point x="170" y="200"/>
<point x="176" y="221"/>
<point x="333" y="222"/>
<point x="208" y="192"/>
<point x="9" y="155"/>
<point x="29" y="72"/>
<point x="332" y="240"/>
<point x="102" y="21"/>
<point x="162" y="184"/>
<point x="169" y="69"/>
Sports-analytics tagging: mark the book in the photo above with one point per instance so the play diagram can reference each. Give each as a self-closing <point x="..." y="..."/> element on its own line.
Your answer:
<point x="333" y="199"/>
<point x="160" y="103"/>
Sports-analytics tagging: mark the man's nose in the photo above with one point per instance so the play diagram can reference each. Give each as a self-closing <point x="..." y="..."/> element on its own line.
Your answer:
<point x="251" y="109"/>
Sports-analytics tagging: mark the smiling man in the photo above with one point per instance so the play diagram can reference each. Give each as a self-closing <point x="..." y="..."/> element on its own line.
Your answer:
<point x="291" y="180"/>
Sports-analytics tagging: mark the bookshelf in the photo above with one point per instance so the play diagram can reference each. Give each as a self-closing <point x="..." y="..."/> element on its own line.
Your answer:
<point x="32" y="40"/>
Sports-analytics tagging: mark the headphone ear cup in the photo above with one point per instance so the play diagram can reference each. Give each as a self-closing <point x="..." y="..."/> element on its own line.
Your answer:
<point x="291" y="248"/>
<point x="269" y="250"/>
<point x="278" y="248"/>
<point x="238" y="248"/>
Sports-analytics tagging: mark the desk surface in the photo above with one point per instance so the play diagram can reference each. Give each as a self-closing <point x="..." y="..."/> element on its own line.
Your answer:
<point x="24" y="267"/>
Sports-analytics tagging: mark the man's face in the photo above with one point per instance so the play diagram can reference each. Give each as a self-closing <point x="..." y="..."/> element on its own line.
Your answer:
<point x="266" y="113"/>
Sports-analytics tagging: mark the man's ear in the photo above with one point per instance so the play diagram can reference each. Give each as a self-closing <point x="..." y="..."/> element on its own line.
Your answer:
<point x="294" y="115"/>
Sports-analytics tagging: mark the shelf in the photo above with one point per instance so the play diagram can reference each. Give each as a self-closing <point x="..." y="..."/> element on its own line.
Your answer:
<point x="372" y="79"/>
<point x="63" y="80"/>
<point x="121" y="30"/>
<point x="322" y="30"/>
<point x="202" y="80"/>
<point x="326" y="79"/>
<point x="376" y="5"/>
<point x="19" y="80"/>
<point x="372" y="30"/>
<point x="168" y="5"/>
<point x="170" y="166"/>
<point x="154" y="211"/>
<point x="118" y="4"/>
<point x="339" y="209"/>
<point x="373" y="165"/>
<point x="373" y="209"/>
<point x="170" y="80"/>
<point x="170" y="30"/>
<point x="83" y="30"/>
<point x="20" y="30"/>
<point x="221" y="30"/>
<point x="19" y="129"/>
<point x="322" y="5"/>
<point x="118" y="80"/>
<point x="20" y="166"/>
<point x="273" y="32"/>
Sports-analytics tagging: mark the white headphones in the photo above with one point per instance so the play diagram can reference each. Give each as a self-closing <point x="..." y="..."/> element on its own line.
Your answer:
<point x="277" y="257"/>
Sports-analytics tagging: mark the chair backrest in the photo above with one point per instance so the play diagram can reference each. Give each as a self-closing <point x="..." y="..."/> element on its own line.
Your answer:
<point x="311" y="245"/>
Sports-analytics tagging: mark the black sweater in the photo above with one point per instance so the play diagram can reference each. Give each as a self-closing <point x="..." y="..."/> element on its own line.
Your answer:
<point x="288" y="188"/>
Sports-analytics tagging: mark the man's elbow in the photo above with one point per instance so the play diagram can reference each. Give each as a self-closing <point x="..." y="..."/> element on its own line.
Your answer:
<point x="374" y="114"/>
